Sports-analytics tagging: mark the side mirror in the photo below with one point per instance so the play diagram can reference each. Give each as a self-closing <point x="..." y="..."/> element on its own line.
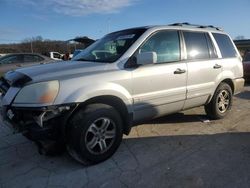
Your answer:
<point x="145" y="58"/>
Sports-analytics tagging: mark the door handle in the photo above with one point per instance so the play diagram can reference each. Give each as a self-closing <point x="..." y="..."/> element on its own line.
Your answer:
<point x="179" y="71"/>
<point x="216" y="66"/>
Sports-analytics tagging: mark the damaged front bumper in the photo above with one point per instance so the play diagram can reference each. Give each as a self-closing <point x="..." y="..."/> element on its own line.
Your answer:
<point x="38" y="123"/>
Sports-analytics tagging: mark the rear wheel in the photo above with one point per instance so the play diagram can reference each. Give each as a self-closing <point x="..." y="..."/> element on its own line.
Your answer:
<point x="95" y="133"/>
<point x="221" y="102"/>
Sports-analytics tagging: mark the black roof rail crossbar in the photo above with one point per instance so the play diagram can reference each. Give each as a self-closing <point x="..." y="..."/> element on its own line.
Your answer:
<point x="195" y="25"/>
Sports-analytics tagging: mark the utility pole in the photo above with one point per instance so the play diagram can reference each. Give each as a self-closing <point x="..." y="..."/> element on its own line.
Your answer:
<point x="31" y="46"/>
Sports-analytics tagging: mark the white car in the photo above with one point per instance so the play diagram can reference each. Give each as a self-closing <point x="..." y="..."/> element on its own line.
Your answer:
<point x="55" y="55"/>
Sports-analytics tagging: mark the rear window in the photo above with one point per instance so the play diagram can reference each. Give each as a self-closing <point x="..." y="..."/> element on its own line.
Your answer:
<point x="225" y="44"/>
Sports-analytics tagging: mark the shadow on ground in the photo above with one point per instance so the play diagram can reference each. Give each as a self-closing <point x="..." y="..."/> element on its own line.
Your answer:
<point x="178" y="118"/>
<point x="220" y="160"/>
<point x="244" y="95"/>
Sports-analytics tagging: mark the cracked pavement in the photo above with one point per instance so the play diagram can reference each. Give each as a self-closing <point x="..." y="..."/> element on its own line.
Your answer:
<point x="179" y="150"/>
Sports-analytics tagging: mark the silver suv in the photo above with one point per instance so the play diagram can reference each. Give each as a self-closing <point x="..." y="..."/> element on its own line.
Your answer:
<point x="126" y="77"/>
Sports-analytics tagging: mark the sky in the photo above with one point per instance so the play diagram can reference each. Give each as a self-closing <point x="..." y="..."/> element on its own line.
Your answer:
<point x="66" y="19"/>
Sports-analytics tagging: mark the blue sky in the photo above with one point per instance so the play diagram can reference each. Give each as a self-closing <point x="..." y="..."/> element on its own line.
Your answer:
<point x="66" y="19"/>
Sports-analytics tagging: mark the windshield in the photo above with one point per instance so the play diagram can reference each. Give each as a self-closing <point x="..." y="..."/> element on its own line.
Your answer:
<point x="111" y="47"/>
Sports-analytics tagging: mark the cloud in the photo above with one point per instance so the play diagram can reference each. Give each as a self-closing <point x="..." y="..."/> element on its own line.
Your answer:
<point x="80" y="7"/>
<point x="7" y="34"/>
<point x="7" y="31"/>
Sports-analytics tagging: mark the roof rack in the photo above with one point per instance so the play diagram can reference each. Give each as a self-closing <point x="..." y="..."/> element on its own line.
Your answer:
<point x="195" y="25"/>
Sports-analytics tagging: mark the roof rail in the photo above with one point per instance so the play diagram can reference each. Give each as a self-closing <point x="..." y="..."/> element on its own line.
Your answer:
<point x="195" y="25"/>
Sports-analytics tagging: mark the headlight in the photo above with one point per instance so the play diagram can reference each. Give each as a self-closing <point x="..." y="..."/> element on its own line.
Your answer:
<point x="38" y="93"/>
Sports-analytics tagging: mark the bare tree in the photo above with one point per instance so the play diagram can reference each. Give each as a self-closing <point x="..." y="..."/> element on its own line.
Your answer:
<point x="240" y="37"/>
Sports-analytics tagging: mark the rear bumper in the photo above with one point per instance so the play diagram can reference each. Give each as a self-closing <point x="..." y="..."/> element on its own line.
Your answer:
<point x="238" y="85"/>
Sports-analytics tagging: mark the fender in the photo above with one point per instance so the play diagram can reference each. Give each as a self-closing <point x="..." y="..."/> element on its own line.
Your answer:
<point x="98" y="89"/>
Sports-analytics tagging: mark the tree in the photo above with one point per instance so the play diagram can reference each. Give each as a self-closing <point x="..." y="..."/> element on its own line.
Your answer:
<point x="240" y="37"/>
<point x="39" y="45"/>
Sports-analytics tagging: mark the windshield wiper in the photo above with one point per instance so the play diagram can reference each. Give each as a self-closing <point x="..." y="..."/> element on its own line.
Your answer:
<point x="82" y="59"/>
<point x="93" y="60"/>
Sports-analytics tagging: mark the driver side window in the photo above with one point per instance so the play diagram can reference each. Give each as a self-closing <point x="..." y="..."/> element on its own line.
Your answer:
<point x="165" y="44"/>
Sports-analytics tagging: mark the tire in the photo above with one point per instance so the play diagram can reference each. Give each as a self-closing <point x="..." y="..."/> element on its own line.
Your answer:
<point x="95" y="133"/>
<point x="221" y="102"/>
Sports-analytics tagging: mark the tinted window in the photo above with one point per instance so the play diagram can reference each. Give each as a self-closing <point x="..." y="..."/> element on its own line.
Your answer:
<point x="225" y="45"/>
<point x="166" y="45"/>
<point x="196" y="45"/>
<point x="32" y="58"/>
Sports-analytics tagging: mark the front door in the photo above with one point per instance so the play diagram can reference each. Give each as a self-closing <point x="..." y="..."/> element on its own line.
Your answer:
<point x="160" y="88"/>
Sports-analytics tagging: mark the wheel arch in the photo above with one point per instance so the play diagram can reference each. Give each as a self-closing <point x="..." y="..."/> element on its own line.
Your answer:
<point x="229" y="82"/>
<point x="212" y="108"/>
<point x="114" y="101"/>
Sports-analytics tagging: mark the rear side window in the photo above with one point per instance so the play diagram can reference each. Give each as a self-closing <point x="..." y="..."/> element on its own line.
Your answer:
<point x="196" y="45"/>
<point x="225" y="44"/>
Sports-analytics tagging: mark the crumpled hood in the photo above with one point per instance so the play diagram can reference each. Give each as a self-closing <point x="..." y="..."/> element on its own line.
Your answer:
<point x="62" y="70"/>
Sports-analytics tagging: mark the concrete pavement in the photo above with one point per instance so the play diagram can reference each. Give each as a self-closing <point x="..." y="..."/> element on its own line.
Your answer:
<point x="180" y="150"/>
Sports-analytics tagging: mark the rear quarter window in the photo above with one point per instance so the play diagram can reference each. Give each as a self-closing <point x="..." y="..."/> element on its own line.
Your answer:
<point x="225" y="44"/>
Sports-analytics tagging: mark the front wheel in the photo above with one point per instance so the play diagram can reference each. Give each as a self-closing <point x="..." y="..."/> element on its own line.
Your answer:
<point x="95" y="133"/>
<point x="221" y="102"/>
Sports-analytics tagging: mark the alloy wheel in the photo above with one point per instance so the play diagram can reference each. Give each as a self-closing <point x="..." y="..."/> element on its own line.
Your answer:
<point x="100" y="135"/>
<point x="223" y="101"/>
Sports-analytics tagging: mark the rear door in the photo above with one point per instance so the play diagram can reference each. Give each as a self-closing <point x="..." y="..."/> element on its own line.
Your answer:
<point x="204" y="67"/>
<point x="230" y="58"/>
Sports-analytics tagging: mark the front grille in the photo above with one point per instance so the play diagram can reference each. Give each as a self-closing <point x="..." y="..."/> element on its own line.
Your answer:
<point x="4" y="86"/>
